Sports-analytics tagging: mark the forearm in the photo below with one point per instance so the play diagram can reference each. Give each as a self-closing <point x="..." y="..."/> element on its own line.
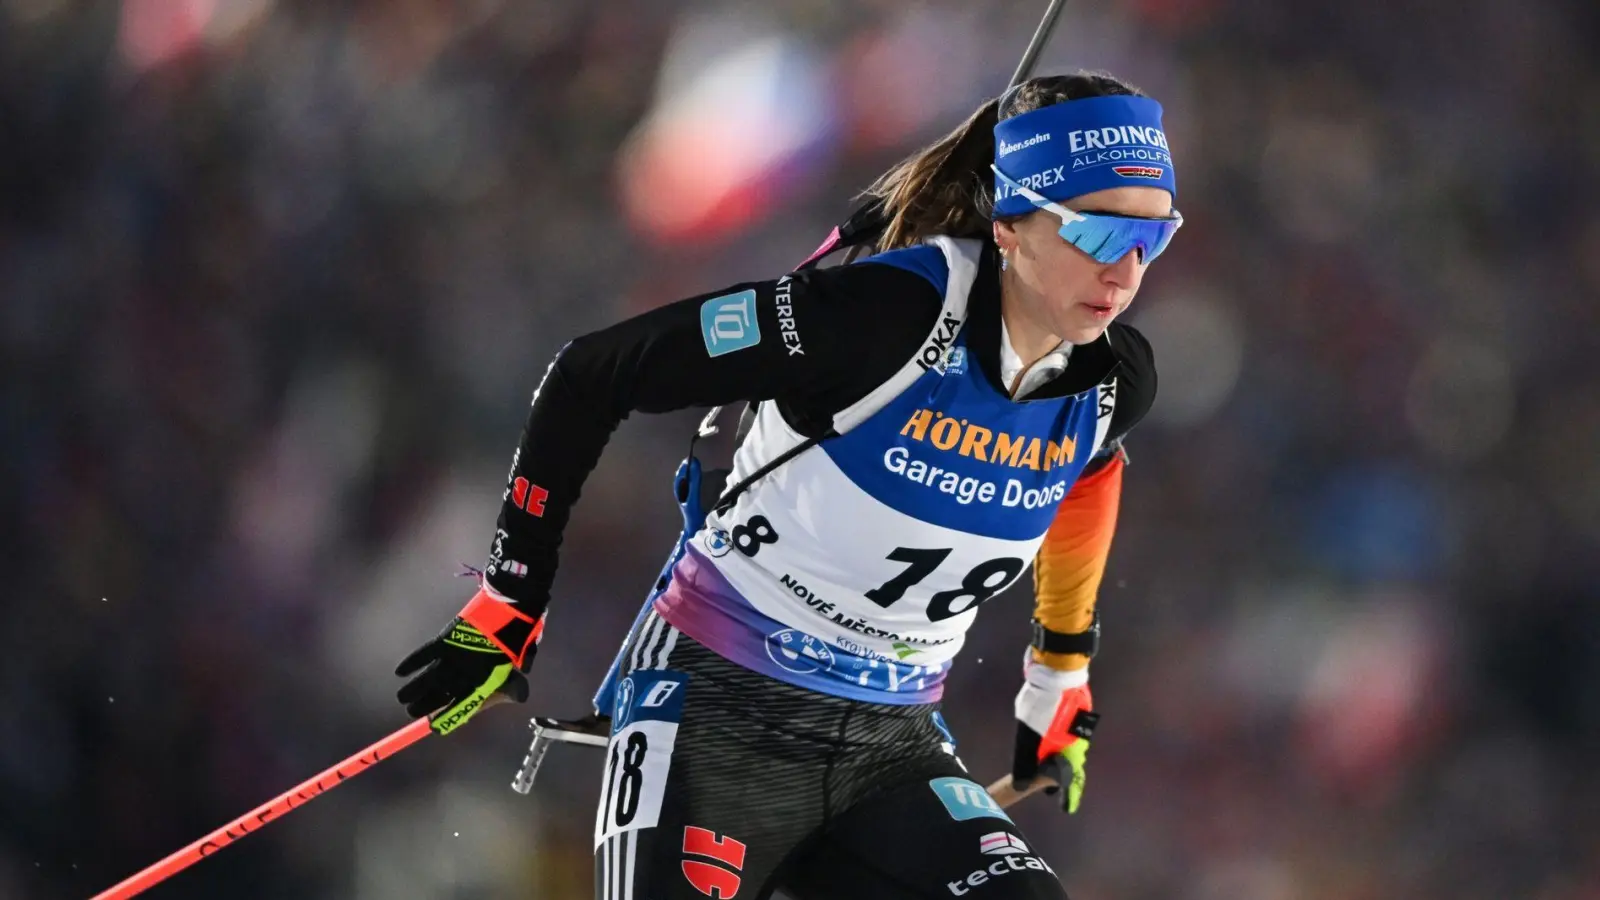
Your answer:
<point x="561" y="442"/>
<point x="1072" y="561"/>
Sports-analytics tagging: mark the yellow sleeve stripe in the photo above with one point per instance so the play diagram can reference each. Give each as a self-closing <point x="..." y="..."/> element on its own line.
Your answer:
<point x="1072" y="560"/>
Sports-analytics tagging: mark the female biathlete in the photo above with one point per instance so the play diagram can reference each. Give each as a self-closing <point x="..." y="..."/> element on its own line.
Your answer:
<point x="961" y="398"/>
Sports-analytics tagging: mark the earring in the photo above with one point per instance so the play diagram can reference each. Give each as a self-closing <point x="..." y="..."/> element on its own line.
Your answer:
<point x="1005" y="261"/>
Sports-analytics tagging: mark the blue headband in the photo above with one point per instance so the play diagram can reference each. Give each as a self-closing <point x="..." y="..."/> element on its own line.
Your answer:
<point x="1073" y="148"/>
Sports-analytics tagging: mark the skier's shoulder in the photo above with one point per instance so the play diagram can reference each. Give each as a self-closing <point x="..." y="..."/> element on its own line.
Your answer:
<point x="904" y="288"/>
<point x="1131" y="348"/>
<point x="882" y="306"/>
<point x="1135" y="377"/>
<point x="924" y="261"/>
<point x="864" y="321"/>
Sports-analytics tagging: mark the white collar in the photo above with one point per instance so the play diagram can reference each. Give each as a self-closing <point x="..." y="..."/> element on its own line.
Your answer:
<point x="1047" y="368"/>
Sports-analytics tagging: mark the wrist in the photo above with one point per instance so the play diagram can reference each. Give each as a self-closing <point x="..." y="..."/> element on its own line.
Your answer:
<point x="1065" y="662"/>
<point x="1052" y="679"/>
<point x="1047" y="694"/>
<point x="510" y="629"/>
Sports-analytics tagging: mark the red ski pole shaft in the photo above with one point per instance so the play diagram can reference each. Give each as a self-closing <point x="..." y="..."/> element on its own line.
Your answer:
<point x="277" y="807"/>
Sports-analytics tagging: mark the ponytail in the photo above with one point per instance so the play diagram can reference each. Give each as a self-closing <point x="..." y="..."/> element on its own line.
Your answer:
<point x="944" y="188"/>
<point x="947" y="188"/>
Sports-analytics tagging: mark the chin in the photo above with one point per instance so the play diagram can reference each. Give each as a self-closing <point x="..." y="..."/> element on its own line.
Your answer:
<point x="1084" y="334"/>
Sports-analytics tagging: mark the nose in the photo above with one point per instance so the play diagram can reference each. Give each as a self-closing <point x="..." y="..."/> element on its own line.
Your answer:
<point x="1125" y="272"/>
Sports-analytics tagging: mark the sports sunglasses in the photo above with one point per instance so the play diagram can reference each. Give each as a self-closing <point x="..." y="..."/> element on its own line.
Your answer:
<point x="1103" y="236"/>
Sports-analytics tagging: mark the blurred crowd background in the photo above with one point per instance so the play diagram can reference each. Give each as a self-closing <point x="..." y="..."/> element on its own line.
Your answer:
<point x="277" y="278"/>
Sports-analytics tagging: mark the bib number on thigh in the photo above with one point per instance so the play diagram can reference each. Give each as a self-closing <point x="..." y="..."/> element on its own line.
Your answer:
<point x="644" y="728"/>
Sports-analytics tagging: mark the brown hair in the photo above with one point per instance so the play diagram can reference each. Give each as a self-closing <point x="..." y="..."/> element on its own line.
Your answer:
<point x="946" y="187"/>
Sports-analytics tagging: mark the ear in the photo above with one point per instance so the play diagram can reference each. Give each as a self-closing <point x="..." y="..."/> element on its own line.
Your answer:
<point x="1005" y="236"/>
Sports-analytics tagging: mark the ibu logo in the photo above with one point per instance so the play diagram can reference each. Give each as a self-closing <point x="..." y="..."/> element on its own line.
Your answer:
<point x="954" y="363"/>
<point x="728" y="323"/>
<point x="964" y="799"/>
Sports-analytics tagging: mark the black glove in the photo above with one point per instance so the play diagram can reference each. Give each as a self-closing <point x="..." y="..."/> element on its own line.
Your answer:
<point x="1055" y="720"/>
<point x="480" y="654"/>
<point x="1064" y="767"/>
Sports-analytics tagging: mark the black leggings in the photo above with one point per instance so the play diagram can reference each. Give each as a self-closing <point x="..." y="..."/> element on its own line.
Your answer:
<point x="723" y="783"/>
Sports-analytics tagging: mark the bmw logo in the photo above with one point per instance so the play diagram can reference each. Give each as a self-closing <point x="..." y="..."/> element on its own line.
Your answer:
<point x="798" y="652"/>
<point x="624" y="704"/>
<point x="717" y="543"/>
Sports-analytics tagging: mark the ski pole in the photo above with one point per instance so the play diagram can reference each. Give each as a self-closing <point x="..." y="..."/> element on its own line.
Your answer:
<point x="276" y="808"/>
<point x="1002" y="793"/>
<point x="1041" y="36"/>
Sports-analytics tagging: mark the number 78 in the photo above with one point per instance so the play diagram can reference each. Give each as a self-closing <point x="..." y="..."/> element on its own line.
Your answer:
<point x="984" y="581"/>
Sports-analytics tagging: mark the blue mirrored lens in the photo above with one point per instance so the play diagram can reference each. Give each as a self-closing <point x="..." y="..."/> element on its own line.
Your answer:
<point x="1109" y="238"/>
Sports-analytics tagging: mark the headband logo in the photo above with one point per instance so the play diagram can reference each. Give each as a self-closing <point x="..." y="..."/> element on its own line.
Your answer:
<point x="1066" y="150"/>
<point x="1115" y="135"/>
<point x="1006" y="149"/>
